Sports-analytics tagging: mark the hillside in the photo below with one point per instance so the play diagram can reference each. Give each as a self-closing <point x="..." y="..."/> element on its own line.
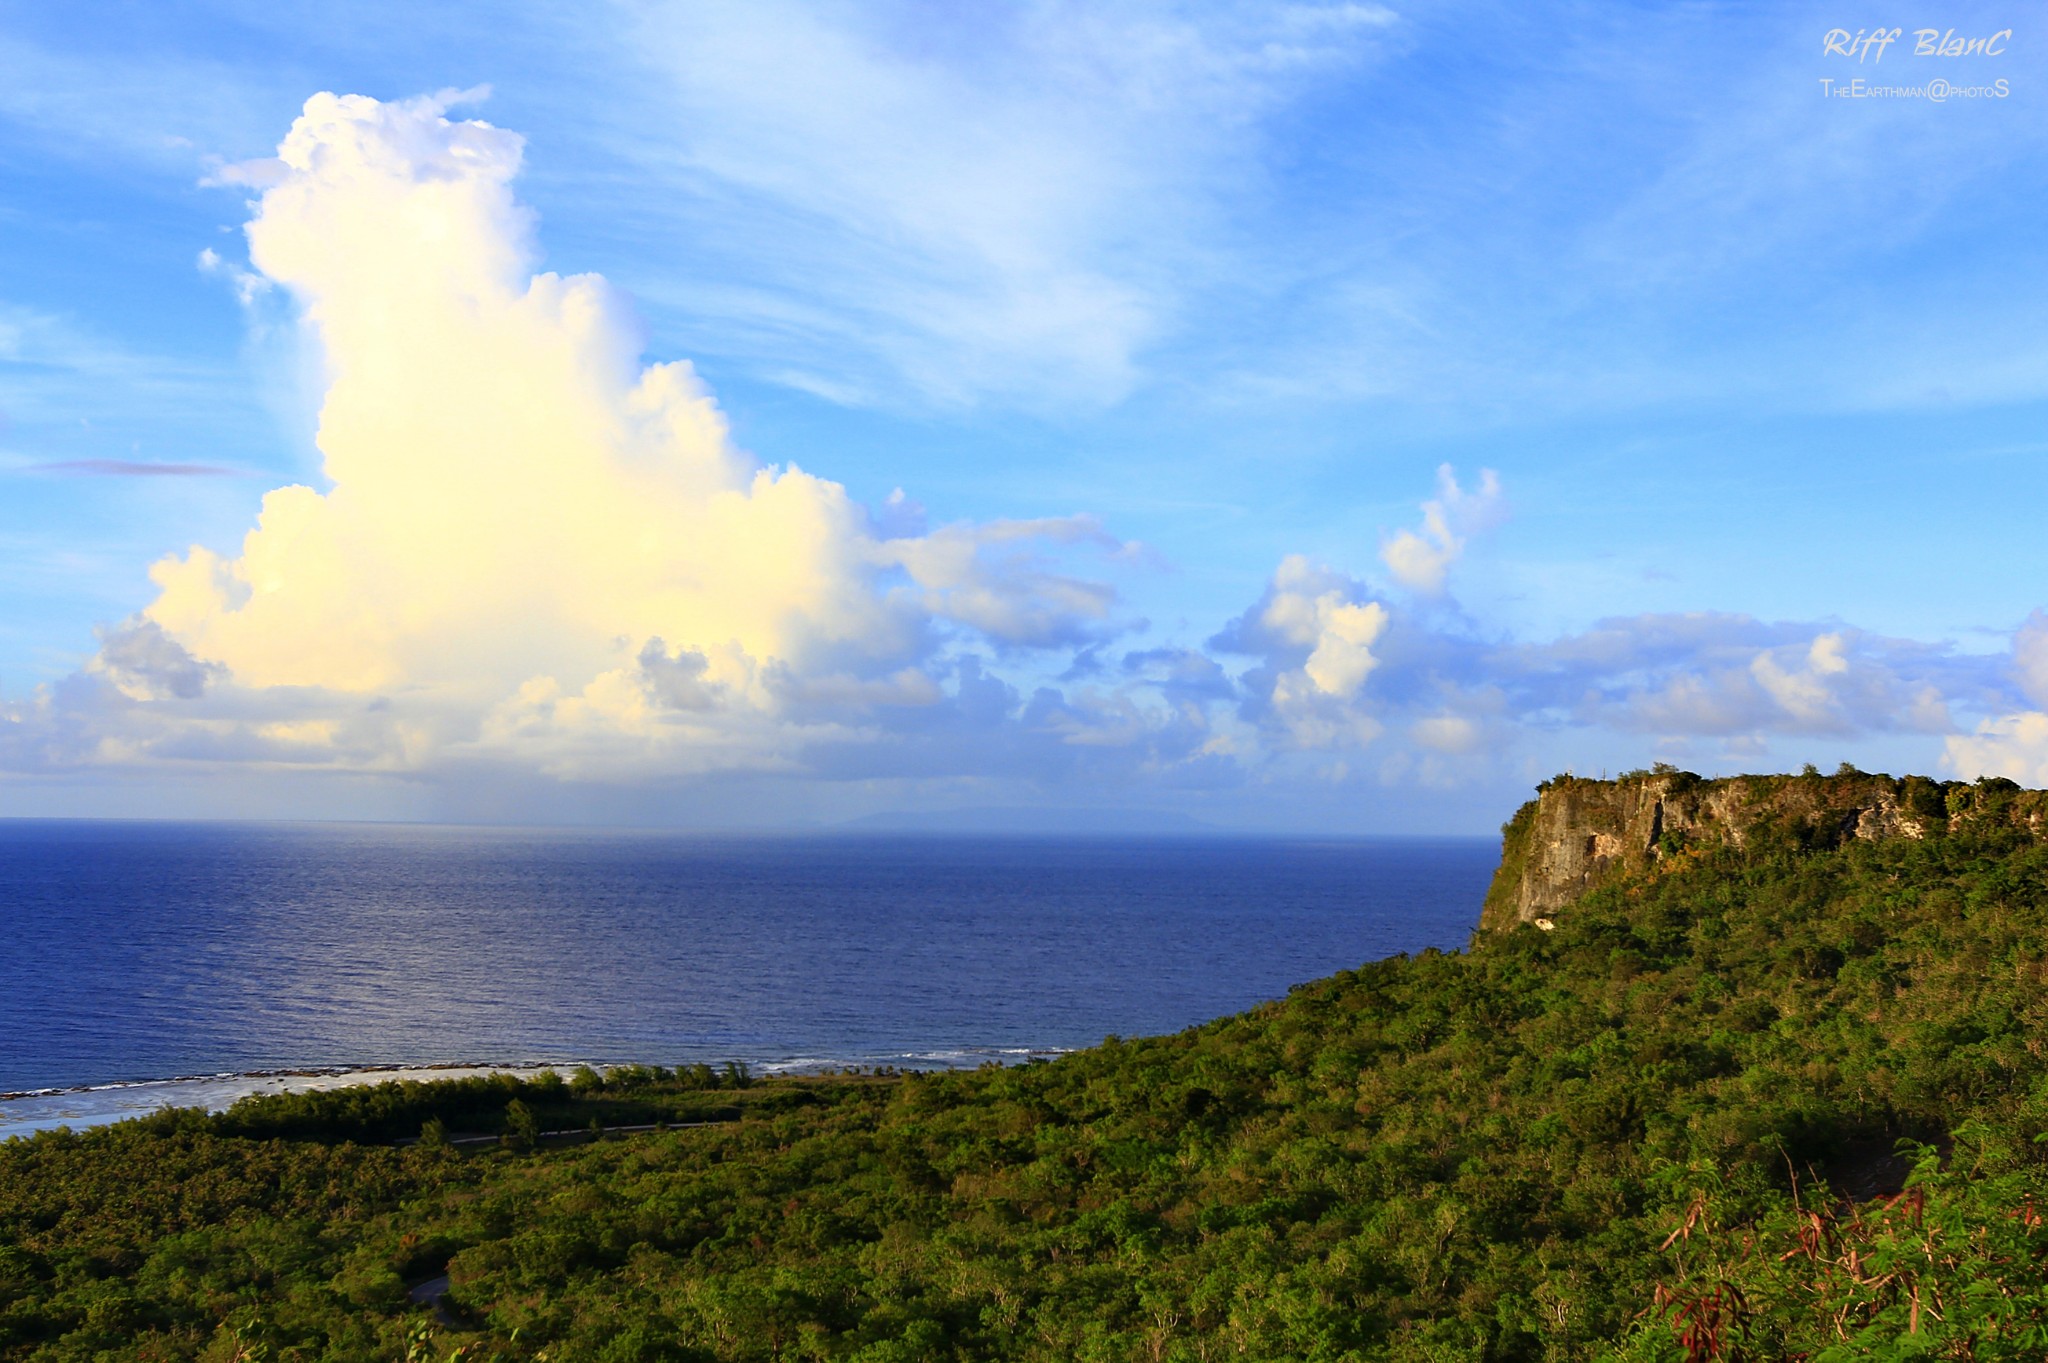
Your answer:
<point x="1677" y="1119"/>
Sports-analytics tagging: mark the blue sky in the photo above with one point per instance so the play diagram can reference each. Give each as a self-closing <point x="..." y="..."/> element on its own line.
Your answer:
<point x="1163" y="320"/>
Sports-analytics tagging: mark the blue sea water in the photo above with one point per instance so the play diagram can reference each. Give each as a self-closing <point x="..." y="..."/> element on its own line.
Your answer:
<point x="133" y="951"/>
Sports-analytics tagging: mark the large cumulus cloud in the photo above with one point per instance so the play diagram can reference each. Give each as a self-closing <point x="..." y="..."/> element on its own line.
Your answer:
<point x="533" y="544"/>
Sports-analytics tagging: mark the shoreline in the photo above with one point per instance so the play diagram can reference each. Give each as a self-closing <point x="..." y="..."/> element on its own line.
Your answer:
<point x="296" y="1072"/>
<point x="80" y="1107"/>
<point x="84" y="1106"/>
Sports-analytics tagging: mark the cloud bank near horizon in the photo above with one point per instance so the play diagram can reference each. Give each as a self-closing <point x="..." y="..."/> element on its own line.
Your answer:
<point x="538" y="555"/>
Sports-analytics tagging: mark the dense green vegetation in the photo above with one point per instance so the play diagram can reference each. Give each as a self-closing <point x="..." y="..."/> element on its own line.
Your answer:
<point x="1672" y="1125"/>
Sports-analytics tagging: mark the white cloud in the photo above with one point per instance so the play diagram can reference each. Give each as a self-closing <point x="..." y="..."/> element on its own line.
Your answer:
<point x="1447" y="733"/>
<point x="1312" y="611"/>
<point x="2013" y="746"/>
<point x="144" y="663"/>
<point x="1421" y="559"/>
<point x="1714" y="674"/>
<point x="533" y="548"/>
<point x="1805" y="691"/>
<point x="1342" y="658"/>
<point x="993" y="578"/>
<point x="1316" y="630"/>
<point x="248" y="285"/>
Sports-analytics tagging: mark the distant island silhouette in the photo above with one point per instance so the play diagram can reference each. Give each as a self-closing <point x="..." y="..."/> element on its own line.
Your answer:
<point x="1034" y="821"/>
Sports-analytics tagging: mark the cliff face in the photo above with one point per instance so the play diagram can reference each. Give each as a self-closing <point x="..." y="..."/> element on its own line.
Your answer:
<point x="1579" y="834"/>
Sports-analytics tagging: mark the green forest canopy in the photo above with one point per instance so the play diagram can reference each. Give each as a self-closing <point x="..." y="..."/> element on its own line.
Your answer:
<point x="1768" y="1101"/>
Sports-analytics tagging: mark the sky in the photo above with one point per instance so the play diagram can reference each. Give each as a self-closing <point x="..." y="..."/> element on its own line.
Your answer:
<point x="1319" y="418"/>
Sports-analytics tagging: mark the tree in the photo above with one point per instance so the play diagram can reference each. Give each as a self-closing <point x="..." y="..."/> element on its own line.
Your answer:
<point x="522" y="1128"/>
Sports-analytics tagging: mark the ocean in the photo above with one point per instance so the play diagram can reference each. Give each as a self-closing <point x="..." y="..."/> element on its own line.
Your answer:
<point x="135" y="953"/>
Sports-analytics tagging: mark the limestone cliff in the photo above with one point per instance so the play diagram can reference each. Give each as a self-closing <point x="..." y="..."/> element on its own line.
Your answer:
<point x="1578" y="834"/>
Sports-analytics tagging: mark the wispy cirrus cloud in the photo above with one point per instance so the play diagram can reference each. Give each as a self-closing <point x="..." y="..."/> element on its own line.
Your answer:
<point x="174" y="107"/>
<point x="1006" y="205"/>
<point x="134" y="468"/>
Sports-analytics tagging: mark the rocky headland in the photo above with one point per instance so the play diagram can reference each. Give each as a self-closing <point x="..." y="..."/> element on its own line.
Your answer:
<point x="1579" y="834"/>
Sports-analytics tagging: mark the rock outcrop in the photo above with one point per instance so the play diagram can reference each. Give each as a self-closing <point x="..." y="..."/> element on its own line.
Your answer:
<point x="1578" y="834"/>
